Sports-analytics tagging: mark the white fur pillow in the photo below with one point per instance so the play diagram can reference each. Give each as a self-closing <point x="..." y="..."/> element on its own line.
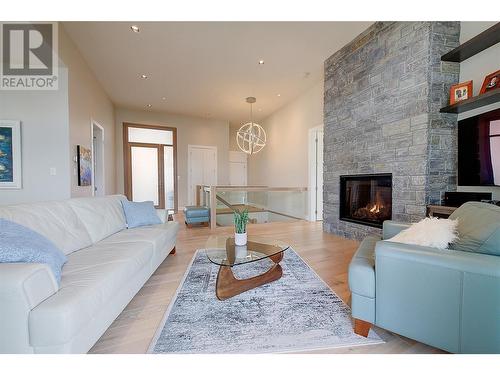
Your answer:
<point x="431" y="231"/>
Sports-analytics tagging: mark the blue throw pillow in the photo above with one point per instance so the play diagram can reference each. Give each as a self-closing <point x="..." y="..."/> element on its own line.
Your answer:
<point x="139" y="214"/>
<point x="19" y="244"/>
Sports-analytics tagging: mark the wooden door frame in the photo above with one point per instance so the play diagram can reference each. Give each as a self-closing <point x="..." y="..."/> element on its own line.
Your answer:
<point x="161" y="177"/>
<point x="190" y="147"/>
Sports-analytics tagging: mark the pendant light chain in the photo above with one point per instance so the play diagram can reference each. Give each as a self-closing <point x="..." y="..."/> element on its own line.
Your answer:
<point x="251" y="113"/>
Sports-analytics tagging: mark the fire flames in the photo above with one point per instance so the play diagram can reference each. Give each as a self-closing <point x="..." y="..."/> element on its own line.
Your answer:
<point x="376" y="210"/>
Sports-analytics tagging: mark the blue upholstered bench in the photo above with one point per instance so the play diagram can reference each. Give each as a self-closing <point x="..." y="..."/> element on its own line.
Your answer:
<point x="196" y="215"/>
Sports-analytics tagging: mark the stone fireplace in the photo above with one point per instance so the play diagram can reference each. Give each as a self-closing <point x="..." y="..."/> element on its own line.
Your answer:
<point x="366" y="199"/>
<point x="383" y="92"/>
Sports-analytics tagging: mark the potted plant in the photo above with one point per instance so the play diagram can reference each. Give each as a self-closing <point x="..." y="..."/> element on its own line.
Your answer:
<point x="240" y="227"/>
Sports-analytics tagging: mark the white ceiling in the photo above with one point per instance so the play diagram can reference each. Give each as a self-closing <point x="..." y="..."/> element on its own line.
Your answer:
<point x="207" y="69"/>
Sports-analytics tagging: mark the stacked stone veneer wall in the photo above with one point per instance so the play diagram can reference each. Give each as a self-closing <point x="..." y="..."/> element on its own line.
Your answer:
<point x="383" y="92"/>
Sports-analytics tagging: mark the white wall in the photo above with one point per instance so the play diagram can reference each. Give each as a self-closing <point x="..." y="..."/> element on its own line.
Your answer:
<point x="284" y="160"/>
<point x="233" y="129"/>
<point x="44" y="138"/>
<point x="476" y="68"/>
<point x="190" y="131"/>
<point x="87" y="101"/>
<point x="53" y="123"/>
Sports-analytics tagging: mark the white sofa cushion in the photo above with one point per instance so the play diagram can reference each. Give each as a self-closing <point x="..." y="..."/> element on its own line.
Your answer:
<point x="54" y="220"/>
<point x="90" y="279"/>
<point x="102" y="216"/>
<point x="157" y="235"/>
<point x="161" y="236"/>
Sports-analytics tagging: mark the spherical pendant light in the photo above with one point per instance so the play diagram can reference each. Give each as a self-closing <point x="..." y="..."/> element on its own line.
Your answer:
<point x="251" y="137"/>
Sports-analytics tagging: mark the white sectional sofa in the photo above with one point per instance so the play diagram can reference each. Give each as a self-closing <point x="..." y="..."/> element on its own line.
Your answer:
<point x="107" y="265"/>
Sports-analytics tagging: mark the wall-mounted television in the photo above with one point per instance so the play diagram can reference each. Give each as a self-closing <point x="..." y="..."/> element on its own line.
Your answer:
<point x="479" y="150"/>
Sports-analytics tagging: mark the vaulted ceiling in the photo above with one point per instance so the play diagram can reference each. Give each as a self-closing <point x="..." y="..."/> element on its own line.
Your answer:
<point x="207" y="69"/>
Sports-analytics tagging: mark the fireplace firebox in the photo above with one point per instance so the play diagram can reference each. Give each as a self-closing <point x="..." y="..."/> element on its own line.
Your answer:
<point x="366" y="199"/>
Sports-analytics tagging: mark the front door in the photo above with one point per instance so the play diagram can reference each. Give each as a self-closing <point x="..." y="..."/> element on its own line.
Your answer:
<point x="150" y="164"/>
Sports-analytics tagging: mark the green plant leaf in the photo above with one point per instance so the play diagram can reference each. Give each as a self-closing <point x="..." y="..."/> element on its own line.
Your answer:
<point x="241" y="220"/>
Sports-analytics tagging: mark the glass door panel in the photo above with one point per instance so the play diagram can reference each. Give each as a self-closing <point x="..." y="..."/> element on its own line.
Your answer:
<point x="144" y="170"/>
<point x="168" y="165"/>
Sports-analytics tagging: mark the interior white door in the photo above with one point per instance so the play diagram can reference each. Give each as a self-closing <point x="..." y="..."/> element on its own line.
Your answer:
<point x="196" y="175"/>
<point x="202" y="169"/>
<point x="237" y="168"/>
<point x="97" y="159"/>
<point x="237" y="174"/>
<point x="210" y="166"/>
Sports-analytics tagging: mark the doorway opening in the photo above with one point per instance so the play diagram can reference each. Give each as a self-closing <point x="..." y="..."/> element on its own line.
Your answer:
<point x="98" y="183"/>
<point x="316" y="173"/>
<point x="150" y="163"/>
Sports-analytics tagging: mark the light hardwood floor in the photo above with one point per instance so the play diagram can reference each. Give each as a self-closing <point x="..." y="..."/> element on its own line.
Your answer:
<point x="327" y="254"/>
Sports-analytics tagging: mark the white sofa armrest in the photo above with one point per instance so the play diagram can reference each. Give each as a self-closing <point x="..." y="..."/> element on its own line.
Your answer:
<point x="23" y="286"/>
<point x="162" y="214"/>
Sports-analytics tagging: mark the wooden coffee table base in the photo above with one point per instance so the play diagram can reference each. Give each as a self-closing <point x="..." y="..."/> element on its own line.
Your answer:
<point x="229" y="286"/>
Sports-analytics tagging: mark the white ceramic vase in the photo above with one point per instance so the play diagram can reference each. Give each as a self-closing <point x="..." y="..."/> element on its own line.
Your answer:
<point x="240" y="239"/>
<point x="240" y="251"/>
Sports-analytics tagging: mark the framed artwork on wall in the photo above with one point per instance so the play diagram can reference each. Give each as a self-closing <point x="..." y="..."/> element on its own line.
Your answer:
<point x="84" y="157"/>
<point x="10" y="155"/>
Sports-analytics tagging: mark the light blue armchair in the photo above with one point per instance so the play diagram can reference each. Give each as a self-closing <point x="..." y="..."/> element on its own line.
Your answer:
<point x="449" y="299"/>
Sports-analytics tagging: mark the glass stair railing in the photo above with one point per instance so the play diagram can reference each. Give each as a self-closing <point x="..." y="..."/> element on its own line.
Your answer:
<point x="264" y="204"/>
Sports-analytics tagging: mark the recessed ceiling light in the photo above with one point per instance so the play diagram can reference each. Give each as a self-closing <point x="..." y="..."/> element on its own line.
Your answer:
<point x="149" y="105"/>
<point x="135" y="28"/>
<point x="261" y="62"/>
<point x="278" y="95"/>
<point x="144" y="76"/>
<point x="163" y="98"/>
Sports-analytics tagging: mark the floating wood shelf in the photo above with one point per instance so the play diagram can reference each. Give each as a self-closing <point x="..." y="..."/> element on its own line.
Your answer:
<point x="475" y="45"/>
<point x="490" y="97"/>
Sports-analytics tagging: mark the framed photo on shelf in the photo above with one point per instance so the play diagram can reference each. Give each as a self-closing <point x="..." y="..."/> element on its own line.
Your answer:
<point x="10" y="154"/>
<point x="491" y="82"/>
<point x="460" y="91"/>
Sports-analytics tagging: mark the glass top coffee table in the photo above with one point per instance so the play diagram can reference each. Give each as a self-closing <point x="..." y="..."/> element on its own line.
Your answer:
<point x="221" y="250"/>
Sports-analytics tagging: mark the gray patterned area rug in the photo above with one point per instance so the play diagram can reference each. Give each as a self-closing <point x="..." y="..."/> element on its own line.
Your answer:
<point x="295" y="313"/>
